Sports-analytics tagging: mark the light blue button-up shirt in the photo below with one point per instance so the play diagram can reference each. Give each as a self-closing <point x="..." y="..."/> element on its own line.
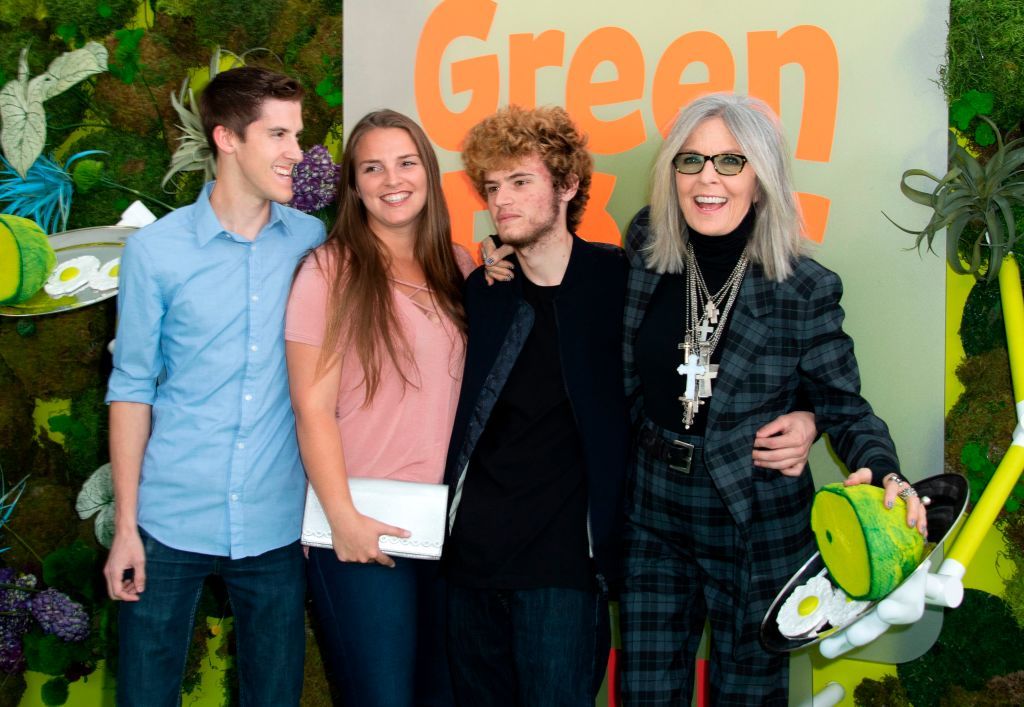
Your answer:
<point x="200" y="337"/>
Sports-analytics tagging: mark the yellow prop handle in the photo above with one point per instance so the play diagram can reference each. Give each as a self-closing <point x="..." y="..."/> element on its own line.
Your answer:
<point x="1011" y="466"/>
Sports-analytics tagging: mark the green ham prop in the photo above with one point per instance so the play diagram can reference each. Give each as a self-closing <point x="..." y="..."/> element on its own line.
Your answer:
<point x="867" y="548"/>
<point x="26" y="258"/>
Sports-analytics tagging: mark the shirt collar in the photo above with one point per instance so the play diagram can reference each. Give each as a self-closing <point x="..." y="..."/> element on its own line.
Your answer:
<point x="208" y="226"/>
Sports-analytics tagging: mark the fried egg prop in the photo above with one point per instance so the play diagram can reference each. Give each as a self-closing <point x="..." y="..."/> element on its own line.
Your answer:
<point x="806" y="609"/>
<point x="106" y="278"/>
<point x="72" y="275"/>
<point x="842" y="609"/>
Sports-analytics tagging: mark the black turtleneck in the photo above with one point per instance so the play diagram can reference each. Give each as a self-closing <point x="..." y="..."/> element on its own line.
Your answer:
<point x="664" y="325"/>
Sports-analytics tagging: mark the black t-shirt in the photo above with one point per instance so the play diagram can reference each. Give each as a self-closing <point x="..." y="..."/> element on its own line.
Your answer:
<point x="522" y="520"/>
<point x="664" y="325"/>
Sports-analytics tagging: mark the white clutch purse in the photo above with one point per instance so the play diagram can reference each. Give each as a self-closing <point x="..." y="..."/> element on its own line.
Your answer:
<point x="418" y="508"/>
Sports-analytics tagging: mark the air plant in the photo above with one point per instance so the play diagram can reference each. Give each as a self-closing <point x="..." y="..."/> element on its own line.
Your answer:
<point x="974" y="202"/>
<point x="43" y="195"/>
<point x="194" y="152"/>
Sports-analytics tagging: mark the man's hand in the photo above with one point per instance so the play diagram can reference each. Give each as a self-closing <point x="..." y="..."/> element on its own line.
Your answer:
<point x="496" y="268"/>
<point x="784" y="443"/>
<point x="125" y="570"/>
<point x="357" y="539"/>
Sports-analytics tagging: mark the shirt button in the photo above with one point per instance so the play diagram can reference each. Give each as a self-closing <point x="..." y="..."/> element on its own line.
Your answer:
<point x="255" y="298"/>
<point x="240" y="445"/>
<point x="254" y="347"/>
<point x="248" y="396"/>
<point x="234" y="497"/>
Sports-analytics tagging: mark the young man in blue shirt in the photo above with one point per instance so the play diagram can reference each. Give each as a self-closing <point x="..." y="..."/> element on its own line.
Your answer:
<point x="202" y="441"/>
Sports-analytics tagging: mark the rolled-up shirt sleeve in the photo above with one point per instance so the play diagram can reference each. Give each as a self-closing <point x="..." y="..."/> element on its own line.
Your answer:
<point x="140" y="307"/>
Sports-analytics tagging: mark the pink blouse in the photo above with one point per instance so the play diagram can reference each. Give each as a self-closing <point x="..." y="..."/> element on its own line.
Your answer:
<point x="404" y="432"/>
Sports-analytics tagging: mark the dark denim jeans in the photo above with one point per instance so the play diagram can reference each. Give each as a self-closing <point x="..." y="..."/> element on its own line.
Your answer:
<point x="267" y="594"/>
<point x="526" y="647"/>
<point x="382" y="630"/>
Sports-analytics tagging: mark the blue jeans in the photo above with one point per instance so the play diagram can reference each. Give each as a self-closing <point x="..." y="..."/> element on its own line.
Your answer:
<point x="526" y="647"/>
<point x="382" y="630"/>
<point x="267" y="594"/>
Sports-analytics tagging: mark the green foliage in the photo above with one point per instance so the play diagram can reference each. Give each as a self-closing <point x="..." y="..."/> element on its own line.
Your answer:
<point x="1000" y="691"/>
<point x="126" y="56"/>
<point x="979" y="640"/>
<point x="330" y="92"/>
<point x="12" y="12"/>
<point x="887" y="692"/>
<point x="230" y="23"/>
<point x="177" y="8"/>
<point x="54" y="692"/>
<point x="984" y="414"/>
<point x="87" y="175"/>
<point x="985" y="50"/>
<point x="298" y="40"/>
<point x="83" y="430"/>
<point x="1014" y="595"/>
<point x="12" y="687"/>
<point x="70" y="33"/>
<point x="965" y="109"/>
<point x="72" y="570"/>
<point x="50" y="655"/>
<point x="974" y="203"/>
<point x="979" y="470"/>
<point x="91" y="18"/>
<point x="131" y="159"/>
<point x="981" y="325"/>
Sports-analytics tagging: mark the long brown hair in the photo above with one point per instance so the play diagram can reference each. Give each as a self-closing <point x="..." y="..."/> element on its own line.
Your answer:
<point x="360" y="311"/>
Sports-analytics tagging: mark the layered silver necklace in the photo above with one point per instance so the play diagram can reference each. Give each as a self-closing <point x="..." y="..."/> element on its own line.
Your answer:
<point x="705" y="323"/>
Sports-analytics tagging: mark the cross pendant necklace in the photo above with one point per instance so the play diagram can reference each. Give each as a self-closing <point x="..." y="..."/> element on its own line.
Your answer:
<point x="694" y="370"/>
<point x="705" y="322"/>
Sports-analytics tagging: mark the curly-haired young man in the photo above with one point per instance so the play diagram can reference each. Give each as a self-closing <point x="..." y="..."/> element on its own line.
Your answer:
<point x="539" y="447"/>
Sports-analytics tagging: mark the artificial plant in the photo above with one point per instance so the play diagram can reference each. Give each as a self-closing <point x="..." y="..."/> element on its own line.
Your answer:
<point x="975" y="203"/>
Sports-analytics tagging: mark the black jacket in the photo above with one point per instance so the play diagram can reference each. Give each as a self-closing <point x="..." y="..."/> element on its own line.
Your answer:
<point x="588" y="309"/>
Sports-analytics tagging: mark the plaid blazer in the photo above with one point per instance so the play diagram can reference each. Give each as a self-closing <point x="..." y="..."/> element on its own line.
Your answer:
<point x="784" y="336"/>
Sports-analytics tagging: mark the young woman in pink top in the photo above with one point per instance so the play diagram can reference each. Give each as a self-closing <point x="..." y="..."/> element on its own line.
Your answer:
<point x="375" y="344"/>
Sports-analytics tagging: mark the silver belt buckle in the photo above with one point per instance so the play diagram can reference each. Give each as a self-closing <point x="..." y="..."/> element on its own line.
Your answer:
<point x="682" y="455"/>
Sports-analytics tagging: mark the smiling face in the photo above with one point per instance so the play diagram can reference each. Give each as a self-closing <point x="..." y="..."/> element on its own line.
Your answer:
<point x="524" y="203"/>
<point x="391" y="180"/>
<point x="713" y="204"/>
<point x="270" y="150"/>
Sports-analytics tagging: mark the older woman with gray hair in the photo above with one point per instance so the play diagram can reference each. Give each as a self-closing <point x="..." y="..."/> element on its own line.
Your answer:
<point x="728" y="325"/>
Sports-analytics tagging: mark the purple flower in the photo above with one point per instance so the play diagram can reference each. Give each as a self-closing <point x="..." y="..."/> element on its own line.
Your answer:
<point x="315" y="180"/>
<point x="14" y="618"/>
<point x="58" y="615"/>
<point x="12" y="599"/>
<point x="12" y="657"/>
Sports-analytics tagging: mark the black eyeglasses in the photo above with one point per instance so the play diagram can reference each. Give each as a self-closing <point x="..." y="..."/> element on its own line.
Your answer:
<point x="727" y="164"/>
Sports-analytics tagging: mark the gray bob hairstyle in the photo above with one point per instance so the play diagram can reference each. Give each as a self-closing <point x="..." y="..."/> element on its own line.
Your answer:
<point x="775" y="241"/>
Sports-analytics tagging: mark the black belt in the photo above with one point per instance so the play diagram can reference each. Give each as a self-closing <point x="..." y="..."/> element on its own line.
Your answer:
<point x="679" y="455"/>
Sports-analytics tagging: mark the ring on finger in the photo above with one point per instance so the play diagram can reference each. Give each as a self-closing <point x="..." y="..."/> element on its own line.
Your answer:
<point x="907" y="492"/>
<point x="926" y="500"/>
<point x="893" y="476"/>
